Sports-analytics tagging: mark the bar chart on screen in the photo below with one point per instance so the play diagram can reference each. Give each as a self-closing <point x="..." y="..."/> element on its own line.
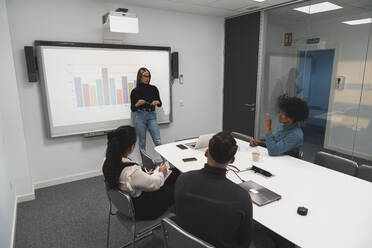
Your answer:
<point x="99" y="85"/>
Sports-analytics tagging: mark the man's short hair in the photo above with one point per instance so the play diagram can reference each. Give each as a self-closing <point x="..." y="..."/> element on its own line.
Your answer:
<point x="222" y="147"/>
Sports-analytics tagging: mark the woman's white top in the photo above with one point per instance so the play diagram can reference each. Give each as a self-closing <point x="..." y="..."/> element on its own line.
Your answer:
<point x="133" y="180"/>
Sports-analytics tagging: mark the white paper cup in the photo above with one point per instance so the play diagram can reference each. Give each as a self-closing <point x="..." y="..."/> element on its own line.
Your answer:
<point x="255" y="156"/>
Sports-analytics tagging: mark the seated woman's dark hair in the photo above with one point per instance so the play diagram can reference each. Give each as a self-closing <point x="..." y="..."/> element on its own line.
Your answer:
<point x="222" y="147"/>
<point x="119" y="143"/>
<point x="293" y="107"/>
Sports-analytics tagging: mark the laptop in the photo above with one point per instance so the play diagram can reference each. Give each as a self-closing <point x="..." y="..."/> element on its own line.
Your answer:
<point x="259" y="194"/>
<point x="202" y="141"/>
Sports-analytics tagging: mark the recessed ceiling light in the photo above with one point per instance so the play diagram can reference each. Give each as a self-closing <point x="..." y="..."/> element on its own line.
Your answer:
<point x="259" y="0"/>
<point x="319" y="7"/>
<point x="358" y="22"/>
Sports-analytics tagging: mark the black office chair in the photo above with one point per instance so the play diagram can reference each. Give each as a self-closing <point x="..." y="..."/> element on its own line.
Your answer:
<point x="336" y="163"/>
<point x="176" y="237"/>
<point x="241" y="136"/>
<point x="126" y="216"/>
<point x="365" y="172"/>
<point x="147" y="162"/>
<point x="295" y="154"/>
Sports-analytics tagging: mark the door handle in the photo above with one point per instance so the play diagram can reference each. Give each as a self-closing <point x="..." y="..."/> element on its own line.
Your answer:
<point x="249" y="104"/>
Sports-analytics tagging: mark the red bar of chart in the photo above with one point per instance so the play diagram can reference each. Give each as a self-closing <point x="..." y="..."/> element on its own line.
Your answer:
<point x="86" y="95"/>
<point x="119" y="96"/>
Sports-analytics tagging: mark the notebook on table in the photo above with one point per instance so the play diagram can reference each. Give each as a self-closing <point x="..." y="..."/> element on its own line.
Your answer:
<point x="259" y="194"/>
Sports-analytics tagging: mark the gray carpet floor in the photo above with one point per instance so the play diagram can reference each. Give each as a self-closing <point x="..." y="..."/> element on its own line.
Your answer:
<point x="72" y="215"/>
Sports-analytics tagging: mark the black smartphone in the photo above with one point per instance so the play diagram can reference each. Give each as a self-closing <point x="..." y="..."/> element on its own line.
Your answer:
<point x="188" y="159"/>
<point x="182" y="147"/>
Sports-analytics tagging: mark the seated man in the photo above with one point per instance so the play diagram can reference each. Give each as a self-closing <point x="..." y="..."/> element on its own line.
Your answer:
<point x="289" y="136"/>
<point x="209" y="205"/>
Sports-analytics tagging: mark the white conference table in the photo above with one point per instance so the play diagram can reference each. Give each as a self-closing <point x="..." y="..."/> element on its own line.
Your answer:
<point x="340" y="206"/>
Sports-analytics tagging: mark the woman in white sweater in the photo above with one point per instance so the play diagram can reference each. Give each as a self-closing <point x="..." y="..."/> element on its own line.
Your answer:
<point x="152" y="195"/>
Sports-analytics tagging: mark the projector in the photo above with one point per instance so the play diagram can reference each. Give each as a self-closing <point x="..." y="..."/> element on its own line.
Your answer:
<point x="120" y="21"/>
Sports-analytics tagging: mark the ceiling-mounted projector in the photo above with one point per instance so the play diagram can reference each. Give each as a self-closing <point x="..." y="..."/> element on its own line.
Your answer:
<point x="120" y="21"/>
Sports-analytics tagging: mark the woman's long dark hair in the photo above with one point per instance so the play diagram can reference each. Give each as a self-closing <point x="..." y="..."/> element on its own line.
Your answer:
<point x="140" y="73"/>
<point x="119" y="142"/>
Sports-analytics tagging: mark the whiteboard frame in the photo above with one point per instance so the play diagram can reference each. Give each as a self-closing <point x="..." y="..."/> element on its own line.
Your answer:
<point x="97" y="127"/>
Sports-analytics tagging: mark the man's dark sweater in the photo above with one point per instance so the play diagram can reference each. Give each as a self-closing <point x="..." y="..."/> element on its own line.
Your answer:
<point x="145" y="92"/>
<point x="213" y="208"/>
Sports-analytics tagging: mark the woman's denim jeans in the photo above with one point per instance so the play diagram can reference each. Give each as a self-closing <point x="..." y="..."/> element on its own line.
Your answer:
<point x="143" y="121"/>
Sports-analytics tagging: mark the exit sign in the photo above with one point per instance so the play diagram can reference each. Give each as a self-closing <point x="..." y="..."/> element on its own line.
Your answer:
<point x="313" y="41"/>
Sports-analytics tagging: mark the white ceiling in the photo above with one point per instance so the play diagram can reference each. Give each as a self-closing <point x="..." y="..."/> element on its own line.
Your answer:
<point x="220" y="8"/>
<point x="357" y="8"/>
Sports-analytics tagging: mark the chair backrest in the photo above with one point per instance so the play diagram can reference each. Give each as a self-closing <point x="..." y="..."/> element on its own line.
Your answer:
<point x="122" y="202"/>
<point x="336" y="163"/>
<point x="241" y="136"/>
<point x="147" y="161"/>
<point x="365" y="172"/>
<point x="176" y="237"/>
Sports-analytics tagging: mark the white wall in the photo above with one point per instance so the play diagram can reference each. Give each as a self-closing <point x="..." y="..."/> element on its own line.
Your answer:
<point x="198" y="39"/>
<point x="13" y="139"/>
<point x="14" y="176"/>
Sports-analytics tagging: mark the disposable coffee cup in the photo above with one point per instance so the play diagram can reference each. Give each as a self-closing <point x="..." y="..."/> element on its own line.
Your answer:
<point x="255" y="156"/>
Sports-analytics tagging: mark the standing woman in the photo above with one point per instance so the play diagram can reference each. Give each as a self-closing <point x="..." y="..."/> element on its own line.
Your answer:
<point x="144" y="98"/>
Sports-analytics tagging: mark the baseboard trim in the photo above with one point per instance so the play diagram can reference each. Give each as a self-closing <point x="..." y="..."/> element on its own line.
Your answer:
<point x="23" y="198"/>
<point x="56" y="181"/>
<point x="14" y="223"/>
<point x="26" y="197"/>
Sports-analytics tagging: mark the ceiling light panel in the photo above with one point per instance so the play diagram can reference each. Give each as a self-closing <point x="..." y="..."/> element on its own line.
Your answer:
<point x="359" y="21"/>
<point x="318" y="8"/>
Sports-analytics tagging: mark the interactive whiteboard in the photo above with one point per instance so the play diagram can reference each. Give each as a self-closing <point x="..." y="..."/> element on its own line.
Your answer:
<point x="86" y="87"/>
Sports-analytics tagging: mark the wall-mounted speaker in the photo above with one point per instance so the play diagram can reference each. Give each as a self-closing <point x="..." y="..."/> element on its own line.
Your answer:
<point x="32" y="71"/>
<point x="175" y="71"/>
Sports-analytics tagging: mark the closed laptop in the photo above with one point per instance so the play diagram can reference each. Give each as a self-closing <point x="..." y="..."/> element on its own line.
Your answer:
<point x="259" y="194"/>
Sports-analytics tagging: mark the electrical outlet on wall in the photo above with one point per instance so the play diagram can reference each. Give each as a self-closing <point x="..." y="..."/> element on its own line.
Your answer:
<point x="340" y="82"/>
<point x="181" y="79"/>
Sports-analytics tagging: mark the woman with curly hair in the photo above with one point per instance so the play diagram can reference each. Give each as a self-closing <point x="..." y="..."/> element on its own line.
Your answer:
<point x="289" y="137"/>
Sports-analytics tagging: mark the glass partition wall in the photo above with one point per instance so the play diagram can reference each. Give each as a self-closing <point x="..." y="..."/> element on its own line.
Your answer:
<point x="323" y="56"/>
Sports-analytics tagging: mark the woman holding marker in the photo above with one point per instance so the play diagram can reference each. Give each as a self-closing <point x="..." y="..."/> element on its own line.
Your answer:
<point x="289" y="136"/>
<point x="144" y="98"/>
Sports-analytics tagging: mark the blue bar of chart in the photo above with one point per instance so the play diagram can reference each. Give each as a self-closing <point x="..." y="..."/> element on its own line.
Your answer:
<point x="112" y="91"/>
<point x="78" y="92"/>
